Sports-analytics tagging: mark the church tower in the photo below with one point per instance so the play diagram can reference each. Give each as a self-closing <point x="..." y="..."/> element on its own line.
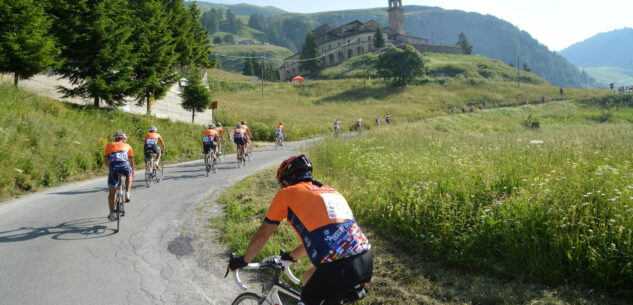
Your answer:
<point x="396" y="17"/>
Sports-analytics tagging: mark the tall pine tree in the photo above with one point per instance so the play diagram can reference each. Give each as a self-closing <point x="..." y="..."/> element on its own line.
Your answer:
<point x="309" y="56"/>
<point x="379" y="39"/>
<point x="26" y="47"/>
<point x="463" y="43"/>
<point x="97" y="50"/>
<point x="195" y="96"/>
<point x="154" y="48"/>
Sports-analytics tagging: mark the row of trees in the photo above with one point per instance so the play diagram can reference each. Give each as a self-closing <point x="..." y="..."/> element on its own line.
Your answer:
<point x="255" y="67"/>
<point x="215" y="20"/>
<point x="107" y="49"/>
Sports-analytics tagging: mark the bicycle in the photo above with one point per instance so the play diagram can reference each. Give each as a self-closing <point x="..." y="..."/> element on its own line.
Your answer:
<point x="276" y="292"/>
<point x="211" y="162"/>
<point x="119" y="200"/>
<point x="280" y="142"/>
<point x="154" y="173"/>
<point x="337" y="132"/>
<point x="249" y="150"/>
<point x="220" y="155"/>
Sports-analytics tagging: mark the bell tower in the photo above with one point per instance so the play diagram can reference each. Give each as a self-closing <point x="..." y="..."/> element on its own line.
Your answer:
<point x="396" y="17"/>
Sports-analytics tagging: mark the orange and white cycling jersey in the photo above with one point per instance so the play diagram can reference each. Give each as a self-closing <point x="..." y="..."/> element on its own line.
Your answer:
<point x="220" y="130"/>
<point x="322" y="219"/>
<point x="119" y="152"/>
<point x="153" y="138"/>
<point x="239" y="133"/>
<point x="210" y="135"/>
<point x="280" y="127"/>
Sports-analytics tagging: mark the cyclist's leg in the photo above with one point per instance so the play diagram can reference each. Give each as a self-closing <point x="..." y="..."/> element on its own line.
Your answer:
<point x="206" y="149"/>
<point x="112" y="184"/>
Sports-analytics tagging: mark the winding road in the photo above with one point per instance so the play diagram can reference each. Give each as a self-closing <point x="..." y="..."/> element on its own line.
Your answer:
<point x="57" y="246"/>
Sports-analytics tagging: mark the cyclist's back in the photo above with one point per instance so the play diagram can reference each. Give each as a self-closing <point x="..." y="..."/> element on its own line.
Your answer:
<point x="152" y="138"/>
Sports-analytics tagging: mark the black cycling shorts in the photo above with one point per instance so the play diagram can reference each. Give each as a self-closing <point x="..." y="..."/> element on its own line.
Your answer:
<point x="149" y="148"/>
<point x="332" y="281"/>
<point x="239" y="141"/>
<point x="208" y="147"/>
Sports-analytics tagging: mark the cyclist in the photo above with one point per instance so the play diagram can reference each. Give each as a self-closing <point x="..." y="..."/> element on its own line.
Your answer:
<point x="240" y="138"/>
<point x="388" y="118"/>
<point x="280" y="130"/>
<point x="119" y="157"/>
<point x="359" y="124"/>
<point x="337" y="126"/>
<point x="248" y="131"/>
<point x="151" y="139"/>
<point x="210" y="139"/>
<point x="220" y="131"/>
<point x="377" y="119"/>
<point x="339" y="251"/>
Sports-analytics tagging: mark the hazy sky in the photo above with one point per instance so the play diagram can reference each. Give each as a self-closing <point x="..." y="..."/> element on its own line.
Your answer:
<point x="555" y="23"/>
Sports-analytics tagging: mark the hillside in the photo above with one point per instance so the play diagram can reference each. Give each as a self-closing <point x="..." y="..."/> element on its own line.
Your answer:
<point x="604" y="76"/>
<point x="278" y="54"/>
<point x="609" y="49"/>
<point x="242" y="8"/>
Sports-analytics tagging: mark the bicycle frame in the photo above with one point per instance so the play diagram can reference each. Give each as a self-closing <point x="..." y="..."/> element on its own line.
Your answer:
<point x="278" y="289"/>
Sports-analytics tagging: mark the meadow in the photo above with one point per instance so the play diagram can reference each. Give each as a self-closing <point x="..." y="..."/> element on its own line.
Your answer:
<point x="485" y="194"/>
<point x="309" y="109"/>
<point x="44" y="142"/>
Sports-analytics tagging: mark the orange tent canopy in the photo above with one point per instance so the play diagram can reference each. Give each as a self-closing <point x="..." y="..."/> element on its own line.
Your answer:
<point x="298" y="79"/>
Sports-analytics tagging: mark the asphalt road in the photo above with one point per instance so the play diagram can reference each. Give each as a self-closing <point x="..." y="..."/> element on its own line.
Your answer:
<point x="57" y="246"/>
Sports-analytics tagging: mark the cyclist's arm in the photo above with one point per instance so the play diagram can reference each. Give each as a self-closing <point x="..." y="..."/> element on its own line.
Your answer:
<point x="131" y="160"/>
<point x="107" y="160"/>
<point x="299" y="252"/>
<point x="259" y="240"/>
<point x="162" y="144"/>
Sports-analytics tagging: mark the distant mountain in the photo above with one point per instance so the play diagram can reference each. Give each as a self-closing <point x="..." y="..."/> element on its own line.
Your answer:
<point x="610" y="49"/>
<point x="489" y="35"/>
<point x="242" y="8"/>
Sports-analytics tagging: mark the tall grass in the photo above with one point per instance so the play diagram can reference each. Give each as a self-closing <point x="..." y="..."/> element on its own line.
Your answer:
<point x="45" y="142"/>
<point x="553" y="204"/>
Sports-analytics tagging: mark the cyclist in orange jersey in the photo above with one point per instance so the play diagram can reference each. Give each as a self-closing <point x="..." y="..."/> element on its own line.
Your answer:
<point x="152" y="138"/>
<point x="248" y="131"/>
<point x="240" y="138"/>
<point x="119" y="157"/>
<point x="210" y="139"/>
<point x="280" y="130"/>
<point x="340" y="252"/>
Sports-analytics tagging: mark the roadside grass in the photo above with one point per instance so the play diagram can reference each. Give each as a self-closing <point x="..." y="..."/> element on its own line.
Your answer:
<point x="310" y="109"/>
<point x="44" y="142"/>
<point x="552" y="205"/>
<point x="401" y="275"/>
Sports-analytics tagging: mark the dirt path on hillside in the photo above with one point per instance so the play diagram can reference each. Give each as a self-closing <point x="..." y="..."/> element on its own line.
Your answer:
<point x="168" y="107"/>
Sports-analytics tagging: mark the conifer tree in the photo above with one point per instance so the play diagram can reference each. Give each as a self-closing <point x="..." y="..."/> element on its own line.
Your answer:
<point x="310" y="53"/>
<point x="379" y="39"/>
<point x="26" y="47"/>
<point x="248" y="67"/>
<point x="154" y="47"/>
<point x="97" y="49"/>
<point x="195" y="96"/>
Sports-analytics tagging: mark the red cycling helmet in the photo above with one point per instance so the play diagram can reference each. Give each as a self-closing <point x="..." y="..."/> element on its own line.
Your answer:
<point x="292" y="165"/>
<point x="243" y="122"/>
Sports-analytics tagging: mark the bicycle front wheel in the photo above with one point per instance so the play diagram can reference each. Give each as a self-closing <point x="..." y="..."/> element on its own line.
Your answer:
<point x="148" y="172"/>
<point x="248" y="298"/>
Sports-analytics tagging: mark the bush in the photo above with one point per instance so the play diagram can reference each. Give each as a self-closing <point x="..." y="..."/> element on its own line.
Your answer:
<point x="532" y="122"/>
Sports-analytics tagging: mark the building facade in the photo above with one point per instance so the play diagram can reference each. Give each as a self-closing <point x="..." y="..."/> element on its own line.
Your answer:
<point x="357" y="38"/>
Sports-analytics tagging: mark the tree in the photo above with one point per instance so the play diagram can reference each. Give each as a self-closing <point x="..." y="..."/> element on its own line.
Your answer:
<point x="154" y="47"/>
<point x="229" y="38"/>
<point x="257" y="21"/>
<point x="402" y="66"/>
<point x="379" y="39"/>
<point x="201" y="48"/>
<point x="26" y="47"/>
<point x="211" y="20"/>
<point x="97" y="49"/>
<point x="463" y="43"/>
<point x="311" y="64"/>
<point x="526" y="67"/>
<point x="217" y="40"/>
<point x="248" y="68"/>
<point x="195" y="96"/>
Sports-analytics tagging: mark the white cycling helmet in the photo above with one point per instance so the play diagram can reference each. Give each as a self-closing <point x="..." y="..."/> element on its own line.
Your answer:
<point x="119" y="135"/>
<point x="153" y="129"/>
<point x="211" y="125"/>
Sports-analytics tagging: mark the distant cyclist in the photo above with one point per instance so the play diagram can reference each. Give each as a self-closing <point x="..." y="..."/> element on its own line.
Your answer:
<point x="359" y="124"/>
<point x="210" y="139"/>
<point x="239" y="137"/>
<point x="152" y="138"/>
<point x="220" y="130"/>
<point x="388" y="118"/>
<point x="119" y="157"/>
<point x="377" y="119"/>
<point x="340" y="253"/>
<point x="248" y="131"/>
<point x="337" y="126"/>
<point x="280" y="130"/>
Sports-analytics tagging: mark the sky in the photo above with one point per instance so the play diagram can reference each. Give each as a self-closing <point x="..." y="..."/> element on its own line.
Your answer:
<point x="555" y="23"/>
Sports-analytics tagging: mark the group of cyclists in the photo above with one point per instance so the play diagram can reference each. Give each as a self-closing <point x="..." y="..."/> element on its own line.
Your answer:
<point x="359" y="123"/>
<point x="329" y="236"/>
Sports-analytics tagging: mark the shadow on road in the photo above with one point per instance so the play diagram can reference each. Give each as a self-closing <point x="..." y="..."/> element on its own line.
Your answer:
<point x="88" y="228"/>
<point x="95" y="190"/>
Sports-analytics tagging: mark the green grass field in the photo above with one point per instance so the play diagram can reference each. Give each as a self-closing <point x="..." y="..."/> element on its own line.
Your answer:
<point x="606" y="75"/>
<point x="45" y="142"/>
<point x="471" y="201"/>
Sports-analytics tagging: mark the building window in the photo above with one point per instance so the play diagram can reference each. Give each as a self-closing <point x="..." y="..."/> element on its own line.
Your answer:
<point x="350" y="53"/>
<point x="360" y="51"/>
<point x="331" y="59"/>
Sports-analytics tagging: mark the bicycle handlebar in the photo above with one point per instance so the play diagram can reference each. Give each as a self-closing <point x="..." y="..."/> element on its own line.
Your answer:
<point x="271" y="262"/>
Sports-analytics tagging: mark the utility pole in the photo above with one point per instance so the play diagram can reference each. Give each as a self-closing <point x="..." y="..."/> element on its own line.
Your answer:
<point x="262" y="64"/>
<point x="518" y="72"/>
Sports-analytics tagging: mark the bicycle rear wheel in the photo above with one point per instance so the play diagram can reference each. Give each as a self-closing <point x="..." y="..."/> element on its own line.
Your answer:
<point x="207" y="166"/>
<point x="249" y="151"/>
<point x="220" y="155"/>
<point x="214" y="163"/>
<point x="148" y="172"/>
<point x="248" y="298"/>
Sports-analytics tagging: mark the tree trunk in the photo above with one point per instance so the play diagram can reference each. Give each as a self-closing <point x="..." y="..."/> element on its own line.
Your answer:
<point x="193" y="115"/>
<point x="149" y="107"/>
<point x="15" y="79"/>
<point x="96" y="102"/>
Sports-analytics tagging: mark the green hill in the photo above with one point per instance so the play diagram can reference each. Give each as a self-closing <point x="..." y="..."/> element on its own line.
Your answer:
<point x="610" y="49"/>
<point x="228" y="63"/>
<point x="242" y="8"/>
<point x="604" y="76"/>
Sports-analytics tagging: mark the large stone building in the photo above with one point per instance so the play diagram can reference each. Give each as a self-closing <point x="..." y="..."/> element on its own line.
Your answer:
<point x="357" y="38"/>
